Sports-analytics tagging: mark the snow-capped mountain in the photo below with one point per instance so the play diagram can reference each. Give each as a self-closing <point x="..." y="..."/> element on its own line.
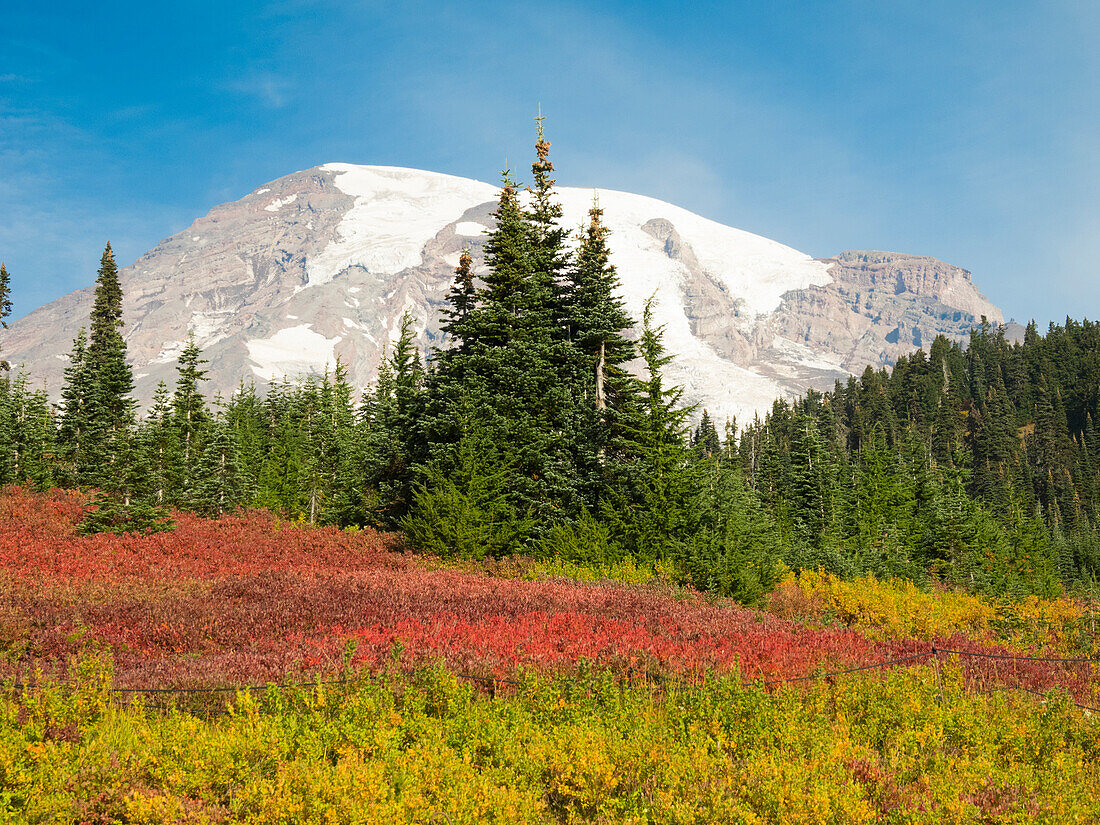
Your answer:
<point x="321" y="264"/>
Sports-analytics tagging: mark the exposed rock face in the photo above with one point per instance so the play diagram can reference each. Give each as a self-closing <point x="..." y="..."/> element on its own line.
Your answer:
<point x="322" y="264"/>
<point x="881" y="305"/>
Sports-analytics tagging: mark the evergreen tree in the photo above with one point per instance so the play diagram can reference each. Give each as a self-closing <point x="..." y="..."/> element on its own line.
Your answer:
<point x="160" y="439"/>
<point x="189" y="414"/>
<point x="27" y="434"/>
<point x="657" y="509"/>
<point x="391" y="416"/>
<point x="515" y="364"/>
<point x="467" y="510"/>
<point x="5" y="296"/>
<point x="110" y="409"/>
<point x="461" y="301"/>
<point x="550" y="257"/>
<point x="221" y="484"/>
<point x="76" y="405"/>
<point x="737" y="553"/>
<point x="596" y="320"/>
<point x="705" y="439"/>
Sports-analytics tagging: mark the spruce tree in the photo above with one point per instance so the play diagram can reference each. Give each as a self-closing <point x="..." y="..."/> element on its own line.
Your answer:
<point x="705" y="438"/>
<point x="76" y="407"/>
<point x="27" y="434"/>
<point x="596" y="320"/>
<point x="221" y="484"/>
<point x="111" y="411"/>
<point x="515" y="365"/>
<point x="160" y="438"/>
<point x="390" y="416"/>
<point x="656" y="509"/>
<point x="461" y="301"/>
<point x="5" y="296"/>
<point x="550" y="257"/>
<point x="189" y="413"/>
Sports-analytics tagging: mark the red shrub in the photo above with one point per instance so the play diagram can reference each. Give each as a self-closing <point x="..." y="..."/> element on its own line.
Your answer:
<point x="247" y="599"/>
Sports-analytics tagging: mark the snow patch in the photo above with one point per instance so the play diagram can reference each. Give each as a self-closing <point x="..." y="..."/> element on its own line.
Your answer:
<point x="196" y="238"/>
<point x="396" y="212"/>
<point x="471" y="228"/>
<point x="168" y="353"/>
<point x="261" y="191"/>
<point x="805" y="356"/>
<point x="350" y="323"/>
<point x="753" y="268"/>
<point x="209" y="327"/>
<point x="279" y="203"/>
<point x="291" y="352"/>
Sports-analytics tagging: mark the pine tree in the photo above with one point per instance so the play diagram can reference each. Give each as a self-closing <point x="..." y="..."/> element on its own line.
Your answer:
<point x="596" y="320"/>
<point x="467" y="510"/>
<point x="515" y="366"/>
<point x="5" y="296"/>
<point x="512" y="299"/>
<point x="160" y="438"/>
<point x="705" y="439"/>
<point x="76" y="406"/>
<point x="656" y="509"/>
<point x="391" y="417"/>
<point x="110" y="409"/>
<point x="343" y="452"/>
<point x="221" y="485"/>
<point x="27" y="434"/>
<point x="189" y="414"/>
<point x="461" y="301"/>
<point x="550" y="256"/>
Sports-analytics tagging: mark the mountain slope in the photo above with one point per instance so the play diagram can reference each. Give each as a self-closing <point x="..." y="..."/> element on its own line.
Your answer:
<point x="321" y="264"/>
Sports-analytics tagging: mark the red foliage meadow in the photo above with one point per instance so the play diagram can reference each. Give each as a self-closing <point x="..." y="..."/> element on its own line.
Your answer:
<point x="38" y="540"/>
<point x="247" y="600"/>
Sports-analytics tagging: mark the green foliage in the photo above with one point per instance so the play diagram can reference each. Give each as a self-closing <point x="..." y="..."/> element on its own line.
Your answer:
<point x="5" y="296"/>
<point x="585" y="540"/>
<point x="111" y="515"/>
<point x="27" y="434"/>
<point x="221" y="485"/>
<point x="465" y="507"/>
<point x="972" y="465"/>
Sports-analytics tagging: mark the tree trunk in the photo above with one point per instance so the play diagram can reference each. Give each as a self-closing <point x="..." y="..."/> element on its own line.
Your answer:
<point x="601" y="398"/>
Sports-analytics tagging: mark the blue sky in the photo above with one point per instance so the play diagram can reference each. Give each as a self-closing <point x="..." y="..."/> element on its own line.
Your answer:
<point x="968" y="131"/>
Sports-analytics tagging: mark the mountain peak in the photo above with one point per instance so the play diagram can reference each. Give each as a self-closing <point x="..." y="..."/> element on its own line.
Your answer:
<point x="321" y="264"/>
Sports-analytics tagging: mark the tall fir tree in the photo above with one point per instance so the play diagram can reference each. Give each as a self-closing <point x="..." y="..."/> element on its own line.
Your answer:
<point x="391" y="415"/>
<point x="461" y="301"/>
<point x="515" y="363"/>
<point x="76" y="411"/>
<point x="190" y="417"/>
<point x="656" y="509"/>
<point x="596" y="320"/>
<point x="111" y="410"/>
<point x="5" y="296"/>
<point x="551" y="258"/>
<point x="222" y="484"/>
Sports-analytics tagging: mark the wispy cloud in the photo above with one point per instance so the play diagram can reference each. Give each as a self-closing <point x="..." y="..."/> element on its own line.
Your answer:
<point x="271" y="90"/>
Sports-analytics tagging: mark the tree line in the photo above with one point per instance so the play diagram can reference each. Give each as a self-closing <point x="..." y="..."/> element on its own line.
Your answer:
<point x="524" y="432"/>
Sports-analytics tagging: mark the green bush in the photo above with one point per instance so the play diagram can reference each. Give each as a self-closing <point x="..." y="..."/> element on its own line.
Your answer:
<point x="464" y="510"/>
